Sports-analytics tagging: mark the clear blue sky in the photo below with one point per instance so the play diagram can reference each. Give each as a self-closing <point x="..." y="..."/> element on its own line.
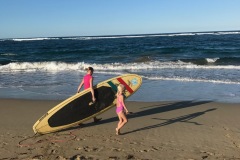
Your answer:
<point x="48" y="18"/>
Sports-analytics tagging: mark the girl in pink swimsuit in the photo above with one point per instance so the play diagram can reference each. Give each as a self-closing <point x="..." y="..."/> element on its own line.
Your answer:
<point x="121" y="109"/>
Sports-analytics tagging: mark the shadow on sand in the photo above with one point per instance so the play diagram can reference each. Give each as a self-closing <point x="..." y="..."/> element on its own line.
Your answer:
<point x="184" y="118"/>
<point x="148" y="110"/>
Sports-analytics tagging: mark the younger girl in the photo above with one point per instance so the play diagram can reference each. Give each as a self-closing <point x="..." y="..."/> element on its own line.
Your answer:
<point x="121" y="109"/>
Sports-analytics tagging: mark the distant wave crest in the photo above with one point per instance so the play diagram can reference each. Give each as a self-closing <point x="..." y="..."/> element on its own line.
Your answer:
<point x="212" y="60"/>
<point x="150" y="70"/>
<point x="191" y="80"/>
<point x="123" y="36"/>
<point x="8" y="54"/>
<point x="62" y="66"/>
<point x="216" y="61"/>
<point x="32" y="39"/>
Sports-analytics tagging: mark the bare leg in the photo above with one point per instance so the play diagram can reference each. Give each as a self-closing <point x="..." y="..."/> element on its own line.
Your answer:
<point x="122" y="121"/>
<point x="119" y="123"/>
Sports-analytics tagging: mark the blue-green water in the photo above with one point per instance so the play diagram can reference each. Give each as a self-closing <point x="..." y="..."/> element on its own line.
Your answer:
<point x="183" y="66"/>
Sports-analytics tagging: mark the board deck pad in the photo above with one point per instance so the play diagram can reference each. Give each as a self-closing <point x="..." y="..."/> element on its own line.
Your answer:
<point x="79" y="108"/>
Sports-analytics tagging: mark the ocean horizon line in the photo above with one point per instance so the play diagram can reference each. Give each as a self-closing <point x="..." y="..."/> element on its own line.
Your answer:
<point x="123" y="35"/>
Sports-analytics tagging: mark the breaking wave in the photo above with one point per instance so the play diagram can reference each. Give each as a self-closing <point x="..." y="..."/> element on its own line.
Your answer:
<point x="33" y="39"/>
<point x="63" y="66"/>
<point x="224" y="61"/>
<point x="185" y="79"/>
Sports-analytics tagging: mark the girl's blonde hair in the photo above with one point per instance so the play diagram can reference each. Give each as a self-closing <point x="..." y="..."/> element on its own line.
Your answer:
<point x="120" y="88"/>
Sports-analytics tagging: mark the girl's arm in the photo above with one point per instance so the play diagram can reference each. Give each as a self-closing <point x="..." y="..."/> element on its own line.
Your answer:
<point x="92" y="91"/>
<point x="80" y="86"/>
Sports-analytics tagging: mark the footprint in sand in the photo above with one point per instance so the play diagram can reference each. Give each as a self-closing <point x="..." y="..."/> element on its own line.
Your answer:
<point x="228" y="136"/>
<point x="22" y="156"/>
<point x="156" y="148"/>
<point x="113" y="158"/>
<point x="89" y="149"/>
<point x="206" y="154"/>
<point x="231" y="138"/>
<point x="78" y="148"/>
<point x="130" y="156"/>
<point x="145" y="150"/>
<point x="4" y="143"/>
<point x="52" y="151"/>
<point x="117" y="149"/>
<point x="136" y="143"/>
<point x="38" y="157"/>
<point x="236" y="145"/>
<point x="226" y="128"/>
<point x="60" y="158"/>
<point x="80" y="139"/>
<point x="79" y="157"/>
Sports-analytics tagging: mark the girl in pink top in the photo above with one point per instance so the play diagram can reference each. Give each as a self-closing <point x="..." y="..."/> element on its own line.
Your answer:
<point x="87" y="81"/>
<point x="121" y="109"/>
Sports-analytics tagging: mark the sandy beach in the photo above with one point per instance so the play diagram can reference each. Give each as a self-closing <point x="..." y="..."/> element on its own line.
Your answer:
<point x="156" y="130"/>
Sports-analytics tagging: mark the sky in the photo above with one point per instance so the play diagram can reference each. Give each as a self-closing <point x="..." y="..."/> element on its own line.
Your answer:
<point x="56" y="18"/>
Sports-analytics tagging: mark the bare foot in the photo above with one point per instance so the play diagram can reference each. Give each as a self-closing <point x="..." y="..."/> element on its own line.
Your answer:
<point x="117" y="131"/>
<point x="96" y="120"/>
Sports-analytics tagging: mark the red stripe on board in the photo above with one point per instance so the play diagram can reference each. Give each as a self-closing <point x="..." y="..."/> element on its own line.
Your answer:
<point x="125" y="84"/>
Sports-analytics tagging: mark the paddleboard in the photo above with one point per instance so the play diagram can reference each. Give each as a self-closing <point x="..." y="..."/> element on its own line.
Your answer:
<point x="78" y="108"/>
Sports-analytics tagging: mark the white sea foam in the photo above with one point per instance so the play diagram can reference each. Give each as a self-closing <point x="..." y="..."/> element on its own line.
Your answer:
<point x="222" y="33"/>
<point x="33" y="39"/>
<point x="40" y="66"/>
<point x="8" y="54"/>
<point x="190" y="80"/>
<point x="109" y="37"/>
<point x="62" y="66"/>
<point x="150" y="35"/>
<point x="157" y="65"/>
<point x="124" y="36"/>
<point x="211" y="60"/>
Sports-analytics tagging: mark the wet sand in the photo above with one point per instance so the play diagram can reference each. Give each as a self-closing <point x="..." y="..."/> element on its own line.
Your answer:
<point x="156" y="130"/>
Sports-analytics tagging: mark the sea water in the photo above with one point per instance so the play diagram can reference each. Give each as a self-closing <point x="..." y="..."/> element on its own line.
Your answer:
<point x="174" y="67"/>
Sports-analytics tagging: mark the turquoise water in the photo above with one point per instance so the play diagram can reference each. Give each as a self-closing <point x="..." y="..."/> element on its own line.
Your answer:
<point x="183" y="66"/>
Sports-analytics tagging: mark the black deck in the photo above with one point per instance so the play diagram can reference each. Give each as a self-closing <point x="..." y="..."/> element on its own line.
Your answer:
<point x="79" y="108"/>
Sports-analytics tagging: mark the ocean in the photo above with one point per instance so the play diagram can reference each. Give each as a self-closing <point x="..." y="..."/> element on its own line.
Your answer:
<point x="175" y="67"/>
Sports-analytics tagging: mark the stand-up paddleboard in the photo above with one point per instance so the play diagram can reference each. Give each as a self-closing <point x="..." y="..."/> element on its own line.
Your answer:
<point x="79" y="108"/>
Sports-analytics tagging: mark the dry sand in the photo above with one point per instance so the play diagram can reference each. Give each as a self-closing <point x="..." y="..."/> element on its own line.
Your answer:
<point x="159" y="130"/>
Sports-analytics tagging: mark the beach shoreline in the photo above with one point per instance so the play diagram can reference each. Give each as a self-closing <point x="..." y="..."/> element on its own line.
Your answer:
<point x="156" y="130"/>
